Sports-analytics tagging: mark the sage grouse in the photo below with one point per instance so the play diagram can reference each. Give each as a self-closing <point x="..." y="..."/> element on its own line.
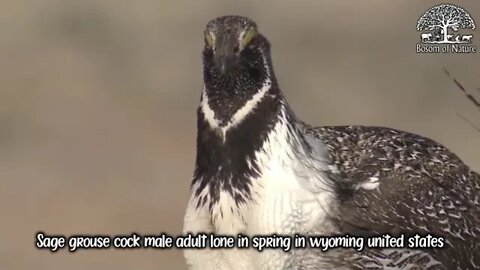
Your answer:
<point x="261" y="171"/>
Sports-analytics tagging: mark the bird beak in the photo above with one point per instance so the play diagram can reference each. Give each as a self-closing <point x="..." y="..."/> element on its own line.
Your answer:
<point x="224" y="52"/>
<point x="224" y="63"/>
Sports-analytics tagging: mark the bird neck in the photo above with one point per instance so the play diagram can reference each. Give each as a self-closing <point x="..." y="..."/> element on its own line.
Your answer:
<point x="228" y="95"/>
<point x="227" y="154"/>
<point x="235" y="140"/>
<point x="238" y="117"/>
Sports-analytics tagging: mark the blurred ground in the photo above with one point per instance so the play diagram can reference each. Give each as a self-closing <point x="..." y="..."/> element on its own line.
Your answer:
<point x="98" y="99"/>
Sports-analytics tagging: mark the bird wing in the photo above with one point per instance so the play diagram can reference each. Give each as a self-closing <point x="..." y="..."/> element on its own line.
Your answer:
<point x="423" y="189"/>
<point x="398" y="207"/>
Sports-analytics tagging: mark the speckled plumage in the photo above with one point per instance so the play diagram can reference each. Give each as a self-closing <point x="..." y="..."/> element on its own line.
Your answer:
<point x="425" y="189"/>
<point x="260" y="170"/>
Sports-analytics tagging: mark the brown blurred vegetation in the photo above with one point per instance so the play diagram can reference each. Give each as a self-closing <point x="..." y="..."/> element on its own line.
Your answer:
<point x="98" y="99"/>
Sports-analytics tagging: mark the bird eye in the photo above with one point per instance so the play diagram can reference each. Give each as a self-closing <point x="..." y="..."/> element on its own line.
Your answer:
<point x="209" y="39"/>
<point x="249" y="35"/>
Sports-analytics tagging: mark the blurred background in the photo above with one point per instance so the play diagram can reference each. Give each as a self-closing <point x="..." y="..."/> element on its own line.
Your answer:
<point x="98" y="100"/>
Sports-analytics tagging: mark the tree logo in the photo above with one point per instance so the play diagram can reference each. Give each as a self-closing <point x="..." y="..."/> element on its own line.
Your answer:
<point x="440" y="25"/>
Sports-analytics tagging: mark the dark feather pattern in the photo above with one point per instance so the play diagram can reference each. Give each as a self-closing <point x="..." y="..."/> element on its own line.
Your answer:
<point x="425" y="189"/>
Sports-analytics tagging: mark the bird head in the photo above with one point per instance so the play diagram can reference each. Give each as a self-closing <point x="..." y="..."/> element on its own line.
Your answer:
<point x="233" y="44"/>
<point x="236" y="66"/>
